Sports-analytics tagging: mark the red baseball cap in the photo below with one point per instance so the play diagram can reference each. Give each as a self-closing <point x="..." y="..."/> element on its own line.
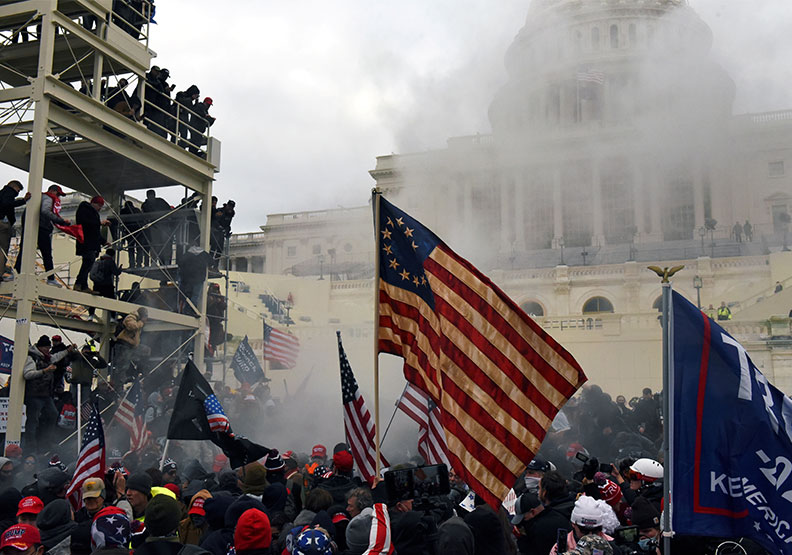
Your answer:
<point x="98" y="200"/>
<point x="30" y="506"/>
<point x="197" y="507"/>
<point x="57" y="190"/>
<point x="319" y="451"/>
<point x="21" y="537"/>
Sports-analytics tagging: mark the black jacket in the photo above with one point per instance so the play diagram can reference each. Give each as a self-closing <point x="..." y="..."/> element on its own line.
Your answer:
<point x="88" y="218"/>
<point x="540" y="532"/>
<point x="201" y="119"/>
<point x="9" y="201"/>
<point x="564" y="505"/>
<point x="155" y="204"/>
<point x="160" y="546"/>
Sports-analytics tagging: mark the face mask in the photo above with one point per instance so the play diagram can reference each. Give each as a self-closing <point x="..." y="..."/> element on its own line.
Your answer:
<point x="532" y="483"/>
<point x="644" y="544"/>
<point x="198" y="520"/>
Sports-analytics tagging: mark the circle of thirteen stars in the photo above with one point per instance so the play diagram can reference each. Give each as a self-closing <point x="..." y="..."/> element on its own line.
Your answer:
<point x="387" y="234"/>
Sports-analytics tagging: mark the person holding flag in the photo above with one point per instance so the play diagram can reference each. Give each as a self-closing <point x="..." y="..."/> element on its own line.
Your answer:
<point x="91" y="461"/>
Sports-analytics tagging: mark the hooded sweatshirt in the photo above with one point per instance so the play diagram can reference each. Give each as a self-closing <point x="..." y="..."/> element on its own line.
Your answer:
<point x="219" y="541"/>
<point x="9" y="500"/>
<point x="454" y="536"/>
<point x="189" y="533"/>
<point x="56" y="525"/>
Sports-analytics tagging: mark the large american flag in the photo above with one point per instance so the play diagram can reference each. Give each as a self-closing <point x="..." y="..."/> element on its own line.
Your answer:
<point x="131" y="415"/>
<point x="431" y="439"/>
<point x="358" y="424"/>
<point x="497" y="377"/>
<point x="280" y="347"/>
<point x="91" y="462"/>
<point x="218" y="421"/>
<point x="588" y="75"/>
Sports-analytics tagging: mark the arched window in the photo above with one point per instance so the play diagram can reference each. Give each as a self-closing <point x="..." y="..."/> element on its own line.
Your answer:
<point x="633" y="32"/>
<point x="614" y="36"/>
<point x="595" y="38"/>
<point x="533" y="308"/>
<point x="658" y="304"/>
<point x="597" y="305"/>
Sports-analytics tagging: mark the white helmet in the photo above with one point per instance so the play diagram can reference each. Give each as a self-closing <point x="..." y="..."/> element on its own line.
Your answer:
<point x="646" y="470"/>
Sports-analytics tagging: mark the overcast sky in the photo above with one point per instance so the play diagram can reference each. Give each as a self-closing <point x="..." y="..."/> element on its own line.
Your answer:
<point x="308" y="93"/>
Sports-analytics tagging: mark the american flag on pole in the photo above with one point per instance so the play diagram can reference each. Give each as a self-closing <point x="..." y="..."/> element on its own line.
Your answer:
<point x="130" y="415"/>
<point x="218" y="421"/>
<point x="431" y="439"/>
<point x="497" y="377"/>
<point x="91" y="462"/>
<point x="588" y="75"/>
<point x="280" y="347"/>
<point x="358" y="424"/>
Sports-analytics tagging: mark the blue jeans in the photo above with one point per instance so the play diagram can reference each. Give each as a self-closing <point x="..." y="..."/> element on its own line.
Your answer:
<point x="41" y="418"/>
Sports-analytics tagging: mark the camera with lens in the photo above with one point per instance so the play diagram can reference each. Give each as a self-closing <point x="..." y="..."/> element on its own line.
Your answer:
<point x="630" y="543"/>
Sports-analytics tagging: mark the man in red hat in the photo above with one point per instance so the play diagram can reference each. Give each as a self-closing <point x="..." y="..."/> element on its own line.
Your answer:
<point x="28" y="509"/>
<point x="200" y="120"/>
<point x="23" y="539"/>
<point x="48" y="218"/>
<point x="88" y="217"/>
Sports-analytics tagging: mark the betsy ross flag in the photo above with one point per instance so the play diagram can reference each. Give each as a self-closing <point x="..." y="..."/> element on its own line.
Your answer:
<point x="731" y="438"/>
<point x="218" y="421"/>
<point x="91" y="462"/>
<point x="199" y="417"/>
<point x="358" y="424"/>
<point x="280" y="347"/>
<point x="131" y="416"/>
<point x="497" y="377"/>
<point x="431" y="439"/>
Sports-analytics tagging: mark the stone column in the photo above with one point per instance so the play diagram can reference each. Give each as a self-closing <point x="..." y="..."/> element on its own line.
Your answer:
<point x="598" y="237"/>
<point x="698" y="193"/>
<point x="638" y="197"/>
<point x="657" y="203"/>
<point x="519" y="206"/>
<point x="506" y="203"/>
<point x="558" y="208"/>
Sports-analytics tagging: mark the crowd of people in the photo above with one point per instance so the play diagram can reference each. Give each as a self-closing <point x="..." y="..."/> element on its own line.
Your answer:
<point x="595" y="487"/>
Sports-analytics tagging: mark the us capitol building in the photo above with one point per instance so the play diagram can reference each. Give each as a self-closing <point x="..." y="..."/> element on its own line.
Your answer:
<point x="613" y="146"/>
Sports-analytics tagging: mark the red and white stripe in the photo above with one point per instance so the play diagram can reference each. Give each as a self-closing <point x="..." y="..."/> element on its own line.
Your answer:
<point x="431" y="438"/>
<point x="282" y="347"/>
<point x="134" y="424"/>
<point x="380" y="535"/>
<point x="359" y="428"/>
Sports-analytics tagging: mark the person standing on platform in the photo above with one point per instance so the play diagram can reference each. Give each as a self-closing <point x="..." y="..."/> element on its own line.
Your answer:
<point x="200" y="121"/>
<point x="8" y="203"/>
<point x="136" y="240"/>
<point x="47" y="220"/>
<point x="161" y="240"/>
<point x="88" y="217"/>
<point x="38" y="372"/>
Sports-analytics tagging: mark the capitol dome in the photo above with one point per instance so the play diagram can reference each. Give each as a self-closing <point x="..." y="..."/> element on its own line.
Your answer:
<point x="583" y="61"/>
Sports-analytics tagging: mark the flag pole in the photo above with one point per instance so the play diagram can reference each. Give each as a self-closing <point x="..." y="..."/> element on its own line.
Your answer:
<point x="396" y="408"/>
<point x="668" y="363"/>
<point x="79" y="419"/>
<point x="375" y="199"/>
<point x="164" y="454"/>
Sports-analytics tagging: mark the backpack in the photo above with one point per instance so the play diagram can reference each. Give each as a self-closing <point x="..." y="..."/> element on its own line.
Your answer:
<point x="99" y="271"/>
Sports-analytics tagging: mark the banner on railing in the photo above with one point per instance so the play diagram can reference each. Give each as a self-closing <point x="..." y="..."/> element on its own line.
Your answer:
<point x="4" y="415"/>
<point x="6" y="354"/>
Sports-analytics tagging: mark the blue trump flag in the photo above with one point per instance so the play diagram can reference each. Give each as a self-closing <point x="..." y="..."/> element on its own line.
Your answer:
<point x="731" y="438"/>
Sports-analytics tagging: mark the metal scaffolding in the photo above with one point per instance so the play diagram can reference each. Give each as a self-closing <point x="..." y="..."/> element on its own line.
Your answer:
<point x="76" y="140"/>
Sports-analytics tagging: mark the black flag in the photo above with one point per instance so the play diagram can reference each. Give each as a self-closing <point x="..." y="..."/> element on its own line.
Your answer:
<point x="245" y="364"/>
<point x="190" y="421"/>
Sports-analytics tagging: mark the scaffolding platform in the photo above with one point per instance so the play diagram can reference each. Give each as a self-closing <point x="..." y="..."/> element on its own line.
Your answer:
<point x="165" y="273"/>
<point x="51" y="49"/>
